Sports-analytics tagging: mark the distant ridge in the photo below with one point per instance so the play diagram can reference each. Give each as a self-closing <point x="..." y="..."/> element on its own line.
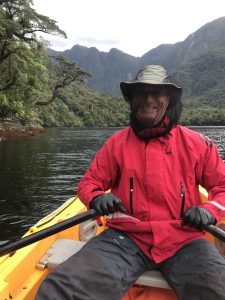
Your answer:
<point x="197" y="63"/>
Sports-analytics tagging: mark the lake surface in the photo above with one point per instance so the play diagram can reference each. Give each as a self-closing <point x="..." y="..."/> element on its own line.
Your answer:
<point x="39" y="173"/>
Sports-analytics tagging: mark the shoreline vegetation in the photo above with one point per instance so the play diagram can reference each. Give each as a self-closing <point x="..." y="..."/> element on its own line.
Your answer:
<point x="12" y="129"/>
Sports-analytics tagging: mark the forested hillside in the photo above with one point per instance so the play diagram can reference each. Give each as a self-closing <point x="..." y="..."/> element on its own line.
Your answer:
<point x="79" y="106"/>
<point x="197" y="64"/>
<point x="39" y="89"/>
<point x="80" y="87"/>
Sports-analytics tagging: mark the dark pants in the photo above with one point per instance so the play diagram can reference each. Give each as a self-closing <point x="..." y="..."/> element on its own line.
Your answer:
<point x="108" y="265"/>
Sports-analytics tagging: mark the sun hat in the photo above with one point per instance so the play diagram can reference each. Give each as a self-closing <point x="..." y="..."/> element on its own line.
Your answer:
<point x="150" y="74"/>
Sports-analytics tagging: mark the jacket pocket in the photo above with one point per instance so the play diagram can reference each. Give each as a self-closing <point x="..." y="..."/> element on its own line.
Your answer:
<point x="107" y="240"/>
<point x="131" y="194"/>
<point x="124" y="241"/>
<point x="182" y="195"/>
<point x="130" y="180"/>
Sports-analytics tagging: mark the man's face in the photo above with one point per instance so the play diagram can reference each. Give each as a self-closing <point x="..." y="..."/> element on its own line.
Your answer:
<point x="149" y="104"/>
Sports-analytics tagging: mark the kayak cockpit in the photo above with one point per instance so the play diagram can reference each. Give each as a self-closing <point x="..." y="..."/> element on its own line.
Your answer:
<point x="22" y="271"/>
<point x="62" y="249"/>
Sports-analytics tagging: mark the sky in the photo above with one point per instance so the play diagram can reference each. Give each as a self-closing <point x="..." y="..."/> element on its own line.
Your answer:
<point x="132" y="26"/>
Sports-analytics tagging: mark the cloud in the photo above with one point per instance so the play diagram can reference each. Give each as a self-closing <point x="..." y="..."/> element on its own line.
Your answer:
<point x="98" y="41"/>
<point x="60" y="44"/>
<point x="130" y="26"/>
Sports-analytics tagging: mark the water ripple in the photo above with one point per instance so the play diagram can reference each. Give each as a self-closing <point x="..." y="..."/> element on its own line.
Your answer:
<point x="39" y="173"/>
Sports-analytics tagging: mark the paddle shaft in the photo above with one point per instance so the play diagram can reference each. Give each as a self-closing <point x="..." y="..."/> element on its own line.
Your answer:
<point x="217" y="232"/>
<point x="91" y="213"/>
<point x="37" y="236"/>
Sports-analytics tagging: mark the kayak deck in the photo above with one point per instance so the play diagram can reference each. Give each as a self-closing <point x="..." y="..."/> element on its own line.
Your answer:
<point x="22" y="272"/>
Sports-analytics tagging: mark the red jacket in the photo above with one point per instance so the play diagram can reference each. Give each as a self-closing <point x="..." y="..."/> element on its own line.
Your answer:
<point x="148" y="178"/>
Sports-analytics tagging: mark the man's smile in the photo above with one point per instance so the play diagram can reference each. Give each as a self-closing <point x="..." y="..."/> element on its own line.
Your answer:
<point x="148" y="107"/>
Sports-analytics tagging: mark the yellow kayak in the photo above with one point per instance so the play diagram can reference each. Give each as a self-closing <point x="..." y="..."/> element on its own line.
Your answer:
<point x="22" y="271"/>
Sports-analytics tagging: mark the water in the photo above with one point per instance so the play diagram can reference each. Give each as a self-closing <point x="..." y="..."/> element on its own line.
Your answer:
<point x="38" y="174"/>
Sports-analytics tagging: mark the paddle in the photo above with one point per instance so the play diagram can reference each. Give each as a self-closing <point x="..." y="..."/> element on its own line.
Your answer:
<point x="91" y="213"/>
<point x="217" y="232"/>
<point x="37" y="236"/>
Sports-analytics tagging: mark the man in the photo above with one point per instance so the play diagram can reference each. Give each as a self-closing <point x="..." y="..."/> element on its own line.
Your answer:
<point x="155" y="216"/>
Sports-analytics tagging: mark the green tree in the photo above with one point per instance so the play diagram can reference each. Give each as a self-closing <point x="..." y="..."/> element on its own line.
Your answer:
<point x="63" y="73"/>
<point x="19" y="22"/>
<point x="23" y="57"/>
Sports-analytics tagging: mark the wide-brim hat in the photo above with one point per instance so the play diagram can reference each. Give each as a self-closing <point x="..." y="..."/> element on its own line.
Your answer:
<point x="152" y="75"/>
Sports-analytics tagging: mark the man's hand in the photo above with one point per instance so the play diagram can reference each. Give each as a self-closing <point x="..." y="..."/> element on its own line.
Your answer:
<point x="106" y="204"/>
<point x="197" y="217"/>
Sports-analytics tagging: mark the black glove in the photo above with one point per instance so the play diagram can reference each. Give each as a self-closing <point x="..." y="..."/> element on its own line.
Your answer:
<point x="106" y="204"/>
<point x="197" y="217"/>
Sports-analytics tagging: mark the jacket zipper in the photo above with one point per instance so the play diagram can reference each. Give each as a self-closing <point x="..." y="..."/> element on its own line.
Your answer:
<point x="182" y="194"/>
<point x="131" y="194"/>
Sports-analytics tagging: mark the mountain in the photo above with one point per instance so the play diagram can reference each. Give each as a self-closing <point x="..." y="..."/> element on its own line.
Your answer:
<point x="197" y="63"/>
<point x="107" y="68"/>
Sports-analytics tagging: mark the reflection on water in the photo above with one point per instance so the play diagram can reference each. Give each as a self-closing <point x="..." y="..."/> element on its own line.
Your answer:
<point x="39" y="173"/>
